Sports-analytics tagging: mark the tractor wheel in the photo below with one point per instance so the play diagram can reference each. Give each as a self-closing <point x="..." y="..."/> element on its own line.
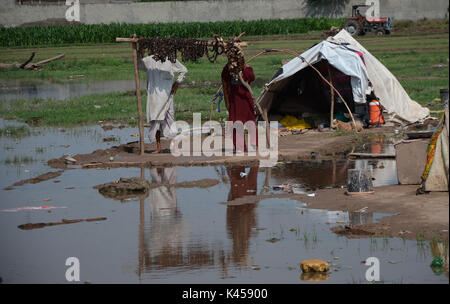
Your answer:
<point x="380" y="33"/>
<point x="352" y="27"/>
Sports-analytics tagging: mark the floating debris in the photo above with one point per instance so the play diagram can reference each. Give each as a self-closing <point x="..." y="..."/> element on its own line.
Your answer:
<point x="273" y="240"/>
<point x="70" y="160"/>
<point x="314" y="265"/>
<point x="40" y="178"/>
<point x="31" y="208"/>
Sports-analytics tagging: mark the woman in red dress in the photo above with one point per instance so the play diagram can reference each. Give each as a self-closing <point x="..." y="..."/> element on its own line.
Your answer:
<point x="239" y="100"/>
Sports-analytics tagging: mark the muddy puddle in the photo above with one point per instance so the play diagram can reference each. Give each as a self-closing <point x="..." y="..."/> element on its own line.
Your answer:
<point x="186" y="234"/>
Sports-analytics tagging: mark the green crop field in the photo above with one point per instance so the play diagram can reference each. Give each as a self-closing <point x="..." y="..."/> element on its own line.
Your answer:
<point x="107" y="33"/>
<point x="419" y="59"/>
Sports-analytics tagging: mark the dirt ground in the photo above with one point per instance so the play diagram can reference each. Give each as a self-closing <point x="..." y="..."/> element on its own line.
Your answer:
<point x="413" y="216"/>
<point x="313" y="144"/>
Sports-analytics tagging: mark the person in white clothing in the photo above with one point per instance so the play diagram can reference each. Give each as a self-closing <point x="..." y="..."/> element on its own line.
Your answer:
<point x="160" y="91"/>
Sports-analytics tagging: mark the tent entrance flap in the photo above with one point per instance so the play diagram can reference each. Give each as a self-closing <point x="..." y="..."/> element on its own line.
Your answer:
<point x="305" y="95"/>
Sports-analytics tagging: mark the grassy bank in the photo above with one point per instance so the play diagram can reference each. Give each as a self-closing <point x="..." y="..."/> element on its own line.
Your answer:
<point x="114" y="107"/>
<point x="420" y="62"/>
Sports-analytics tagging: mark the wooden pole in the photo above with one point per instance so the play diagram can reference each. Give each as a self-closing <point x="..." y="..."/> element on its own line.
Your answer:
<point x="138" y="96"/>
<point x="141" y="230"/>
<point x="332" y="99"/>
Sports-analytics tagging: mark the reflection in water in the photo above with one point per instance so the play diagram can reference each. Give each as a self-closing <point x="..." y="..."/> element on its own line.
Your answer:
<point x="314" y="276"/>
<point x="165" y="239"/>
<point x="241" y="218"/>
<point x="163" y="199"/>
<point x="361" y="218"/>
<point x="316" y="174"/>
<point x="440" y="249"/>
<point x="25" y="89"/>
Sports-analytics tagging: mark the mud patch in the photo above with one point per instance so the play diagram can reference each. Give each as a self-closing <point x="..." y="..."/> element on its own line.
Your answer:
<point x="40" y="178"/>
<point x="124" y="188"/>
<point x="129" y="188"/>
<point x="30" y="226"/>
<point x="352" y="231"/>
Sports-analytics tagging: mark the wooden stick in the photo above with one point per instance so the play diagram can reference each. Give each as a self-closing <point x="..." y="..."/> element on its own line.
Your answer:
<point x="29" y="66"/>
<point x="332" y="99"/>
<point x="138" y="96"/>
<point x="370" y="155"/>
<point x="210" y="42"/>
<point x="40" y="63"/>
<point x="28" y="61"/>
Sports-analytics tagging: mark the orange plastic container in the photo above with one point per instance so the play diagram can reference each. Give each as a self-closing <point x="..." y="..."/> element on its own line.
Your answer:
<point x="376" y="113"/>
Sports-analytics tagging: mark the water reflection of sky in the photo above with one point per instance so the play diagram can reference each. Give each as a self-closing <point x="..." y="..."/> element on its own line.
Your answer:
<point x="47" y="89"/>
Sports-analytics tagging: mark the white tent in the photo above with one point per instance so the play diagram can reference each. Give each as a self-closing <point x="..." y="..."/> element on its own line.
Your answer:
<point x="339" y="51"/>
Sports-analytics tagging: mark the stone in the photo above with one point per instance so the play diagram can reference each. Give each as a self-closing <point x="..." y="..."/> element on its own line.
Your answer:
<point x="315" y="265"/>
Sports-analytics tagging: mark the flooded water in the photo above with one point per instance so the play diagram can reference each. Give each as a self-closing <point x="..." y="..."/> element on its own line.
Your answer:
<point x="186" y="235"/>
<point x="49" y="89"/>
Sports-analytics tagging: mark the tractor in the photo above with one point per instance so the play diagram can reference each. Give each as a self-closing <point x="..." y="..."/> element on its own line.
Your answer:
<point x="358" y="24"/>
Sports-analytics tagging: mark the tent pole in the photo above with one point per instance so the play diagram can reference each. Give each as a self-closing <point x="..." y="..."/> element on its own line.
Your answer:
<point x="138" y="96"/>
<point x="332" y="99"/>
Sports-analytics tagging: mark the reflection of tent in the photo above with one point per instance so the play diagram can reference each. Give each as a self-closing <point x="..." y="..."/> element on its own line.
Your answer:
<point x="436" y="174"/>
<point x="296" y="88"/>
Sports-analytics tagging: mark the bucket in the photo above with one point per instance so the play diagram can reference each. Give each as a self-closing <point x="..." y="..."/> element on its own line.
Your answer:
<point x="444" y="97"/>
<point x="359" y="181"/>
<point x="376" y="114"/>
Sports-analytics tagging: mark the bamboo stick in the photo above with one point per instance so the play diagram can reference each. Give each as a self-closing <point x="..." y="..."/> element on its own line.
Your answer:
<point x="138" y="96"/>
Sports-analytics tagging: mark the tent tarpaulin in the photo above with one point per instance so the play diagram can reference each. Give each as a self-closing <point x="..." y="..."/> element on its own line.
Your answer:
<point x="341" y="52"/>
<point x="436" y="174"/>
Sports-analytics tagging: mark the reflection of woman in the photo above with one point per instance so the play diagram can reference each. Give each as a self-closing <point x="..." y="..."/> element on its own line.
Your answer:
<point x="241" y="219"/>
<point x="239" y="99"/>
<point x="242" y="186"/>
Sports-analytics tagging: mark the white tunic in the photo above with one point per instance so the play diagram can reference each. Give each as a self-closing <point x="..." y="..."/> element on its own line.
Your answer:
<point x="160" y="77"/>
